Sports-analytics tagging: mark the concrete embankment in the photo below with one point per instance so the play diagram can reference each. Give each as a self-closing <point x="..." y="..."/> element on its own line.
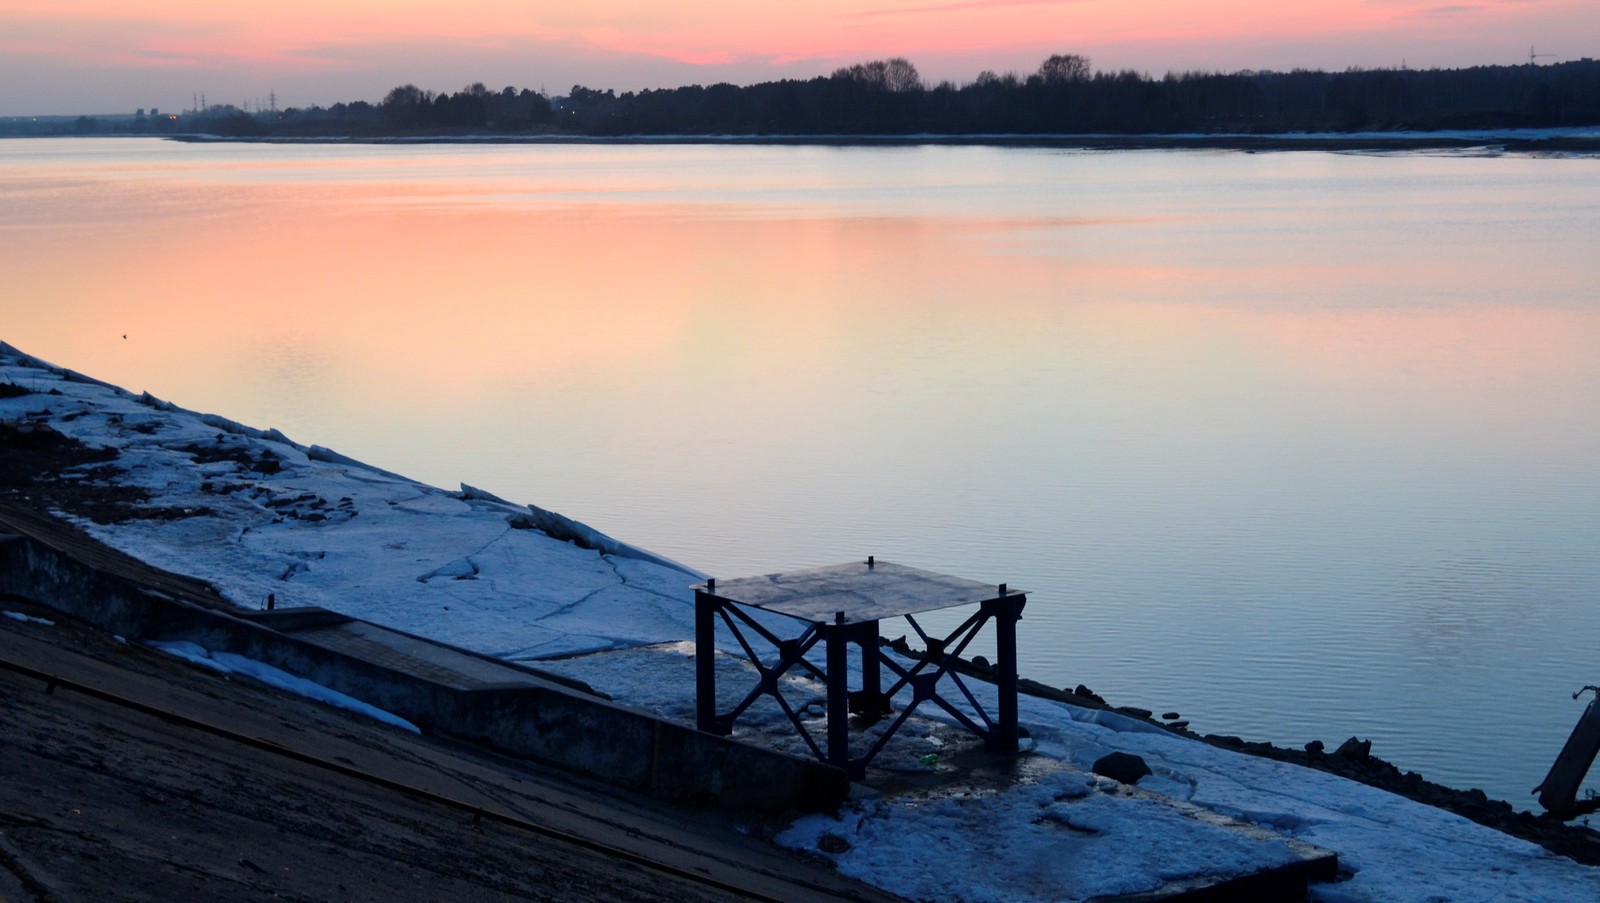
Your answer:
<point x="128" y="775"/>
<point x="445" y="690"/>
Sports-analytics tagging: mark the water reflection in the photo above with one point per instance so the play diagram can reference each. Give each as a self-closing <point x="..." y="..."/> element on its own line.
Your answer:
<point x="1301" y="445"/>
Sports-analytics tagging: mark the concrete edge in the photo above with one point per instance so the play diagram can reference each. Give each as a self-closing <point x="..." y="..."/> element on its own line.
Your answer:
<point x="543" y="722"/>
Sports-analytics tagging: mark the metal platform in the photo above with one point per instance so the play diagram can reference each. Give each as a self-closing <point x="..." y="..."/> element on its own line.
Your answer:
<point x="845" y="604"/>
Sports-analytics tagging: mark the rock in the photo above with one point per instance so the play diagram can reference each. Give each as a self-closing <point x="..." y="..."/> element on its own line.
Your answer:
<point x="1315" y="747"/>
<point x="1124" y="768"/>
<point x="979" y="661"/>
<point x="1133" y="710"/>
<point x="1355" y="750"/>
<point x="833" y="843"/>
<point x="1087" y="693"/>
<point x="1171" y="716"/>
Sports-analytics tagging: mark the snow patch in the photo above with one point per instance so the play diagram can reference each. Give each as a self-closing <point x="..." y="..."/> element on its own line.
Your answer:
<point x="229" y="663"/>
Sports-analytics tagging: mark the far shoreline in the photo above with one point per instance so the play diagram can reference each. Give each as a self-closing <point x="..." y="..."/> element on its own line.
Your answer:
<point x="1507" y="141"/>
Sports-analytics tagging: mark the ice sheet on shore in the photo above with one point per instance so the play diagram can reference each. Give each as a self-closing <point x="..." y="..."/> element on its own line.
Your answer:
<point x="312" y="527"/>
<point x="928" y="847"/>
<point x="268" y="517"/>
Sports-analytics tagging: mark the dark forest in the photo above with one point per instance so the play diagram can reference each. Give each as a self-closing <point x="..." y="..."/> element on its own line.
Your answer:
<point x="889" y="98"/>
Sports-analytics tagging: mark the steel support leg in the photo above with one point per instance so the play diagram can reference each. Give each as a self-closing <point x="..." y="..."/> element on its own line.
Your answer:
<point x="871" y="676"/>
<point x="838" y="643"/>
<point x="1007" y="612"/>
<point x="705" y="663"/>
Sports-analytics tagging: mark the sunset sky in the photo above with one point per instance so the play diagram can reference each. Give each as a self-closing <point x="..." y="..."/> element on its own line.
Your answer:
<point x="109" y="56"/>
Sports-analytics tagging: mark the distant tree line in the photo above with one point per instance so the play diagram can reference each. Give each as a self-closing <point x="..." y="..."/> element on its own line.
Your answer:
<point x="889" y="97"/>
<point x="1065" y="97"/>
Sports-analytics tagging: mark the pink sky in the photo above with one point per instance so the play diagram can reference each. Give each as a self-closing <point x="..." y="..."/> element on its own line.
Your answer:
<point x="103" y="56"/>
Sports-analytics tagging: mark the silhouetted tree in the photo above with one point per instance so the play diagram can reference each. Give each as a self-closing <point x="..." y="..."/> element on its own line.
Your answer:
<point x="896" y="75"/>
<point x="406" y="106"/>
<point x="1062" y="69"/>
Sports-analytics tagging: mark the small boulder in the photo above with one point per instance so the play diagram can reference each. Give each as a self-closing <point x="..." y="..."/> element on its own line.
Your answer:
<point x="1315" y="747"/>
<point x="1355" y="750"/>
<point x="833" y="843"/>
<point x="1124" y="768"/>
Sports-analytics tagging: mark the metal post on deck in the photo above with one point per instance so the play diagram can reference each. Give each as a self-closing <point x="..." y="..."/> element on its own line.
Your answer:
<point x="705" y="664"/>
<point x="838" y="693"/>
<point x="1007" y="611"/>
<point x="871" y="674"/>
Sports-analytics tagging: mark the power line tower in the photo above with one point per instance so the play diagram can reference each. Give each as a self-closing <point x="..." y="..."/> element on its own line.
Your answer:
<point x="1532" y="55"/>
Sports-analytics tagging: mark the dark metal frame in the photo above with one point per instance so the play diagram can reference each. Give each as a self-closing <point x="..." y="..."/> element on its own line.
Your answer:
<point x="871" y="701"/>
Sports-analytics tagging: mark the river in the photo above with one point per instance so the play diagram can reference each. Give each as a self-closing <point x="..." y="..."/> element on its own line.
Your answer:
<point x="1301" y="445"/>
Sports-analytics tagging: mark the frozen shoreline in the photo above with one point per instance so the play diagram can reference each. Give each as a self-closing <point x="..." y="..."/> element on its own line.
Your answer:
<point x="1576" y="142"/>
<point x="257" y="514"/>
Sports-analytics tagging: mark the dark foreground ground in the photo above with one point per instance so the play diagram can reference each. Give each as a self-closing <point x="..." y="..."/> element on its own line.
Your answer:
<point x="192" y="786"/>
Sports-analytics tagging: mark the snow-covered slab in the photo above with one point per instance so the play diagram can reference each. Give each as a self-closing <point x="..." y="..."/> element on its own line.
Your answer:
<point x="308" y="526"/>
<point x="1056" y="834"/>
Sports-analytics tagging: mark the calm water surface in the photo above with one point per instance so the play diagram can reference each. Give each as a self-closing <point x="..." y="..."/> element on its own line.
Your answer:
<point x="1302" y="445"/>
